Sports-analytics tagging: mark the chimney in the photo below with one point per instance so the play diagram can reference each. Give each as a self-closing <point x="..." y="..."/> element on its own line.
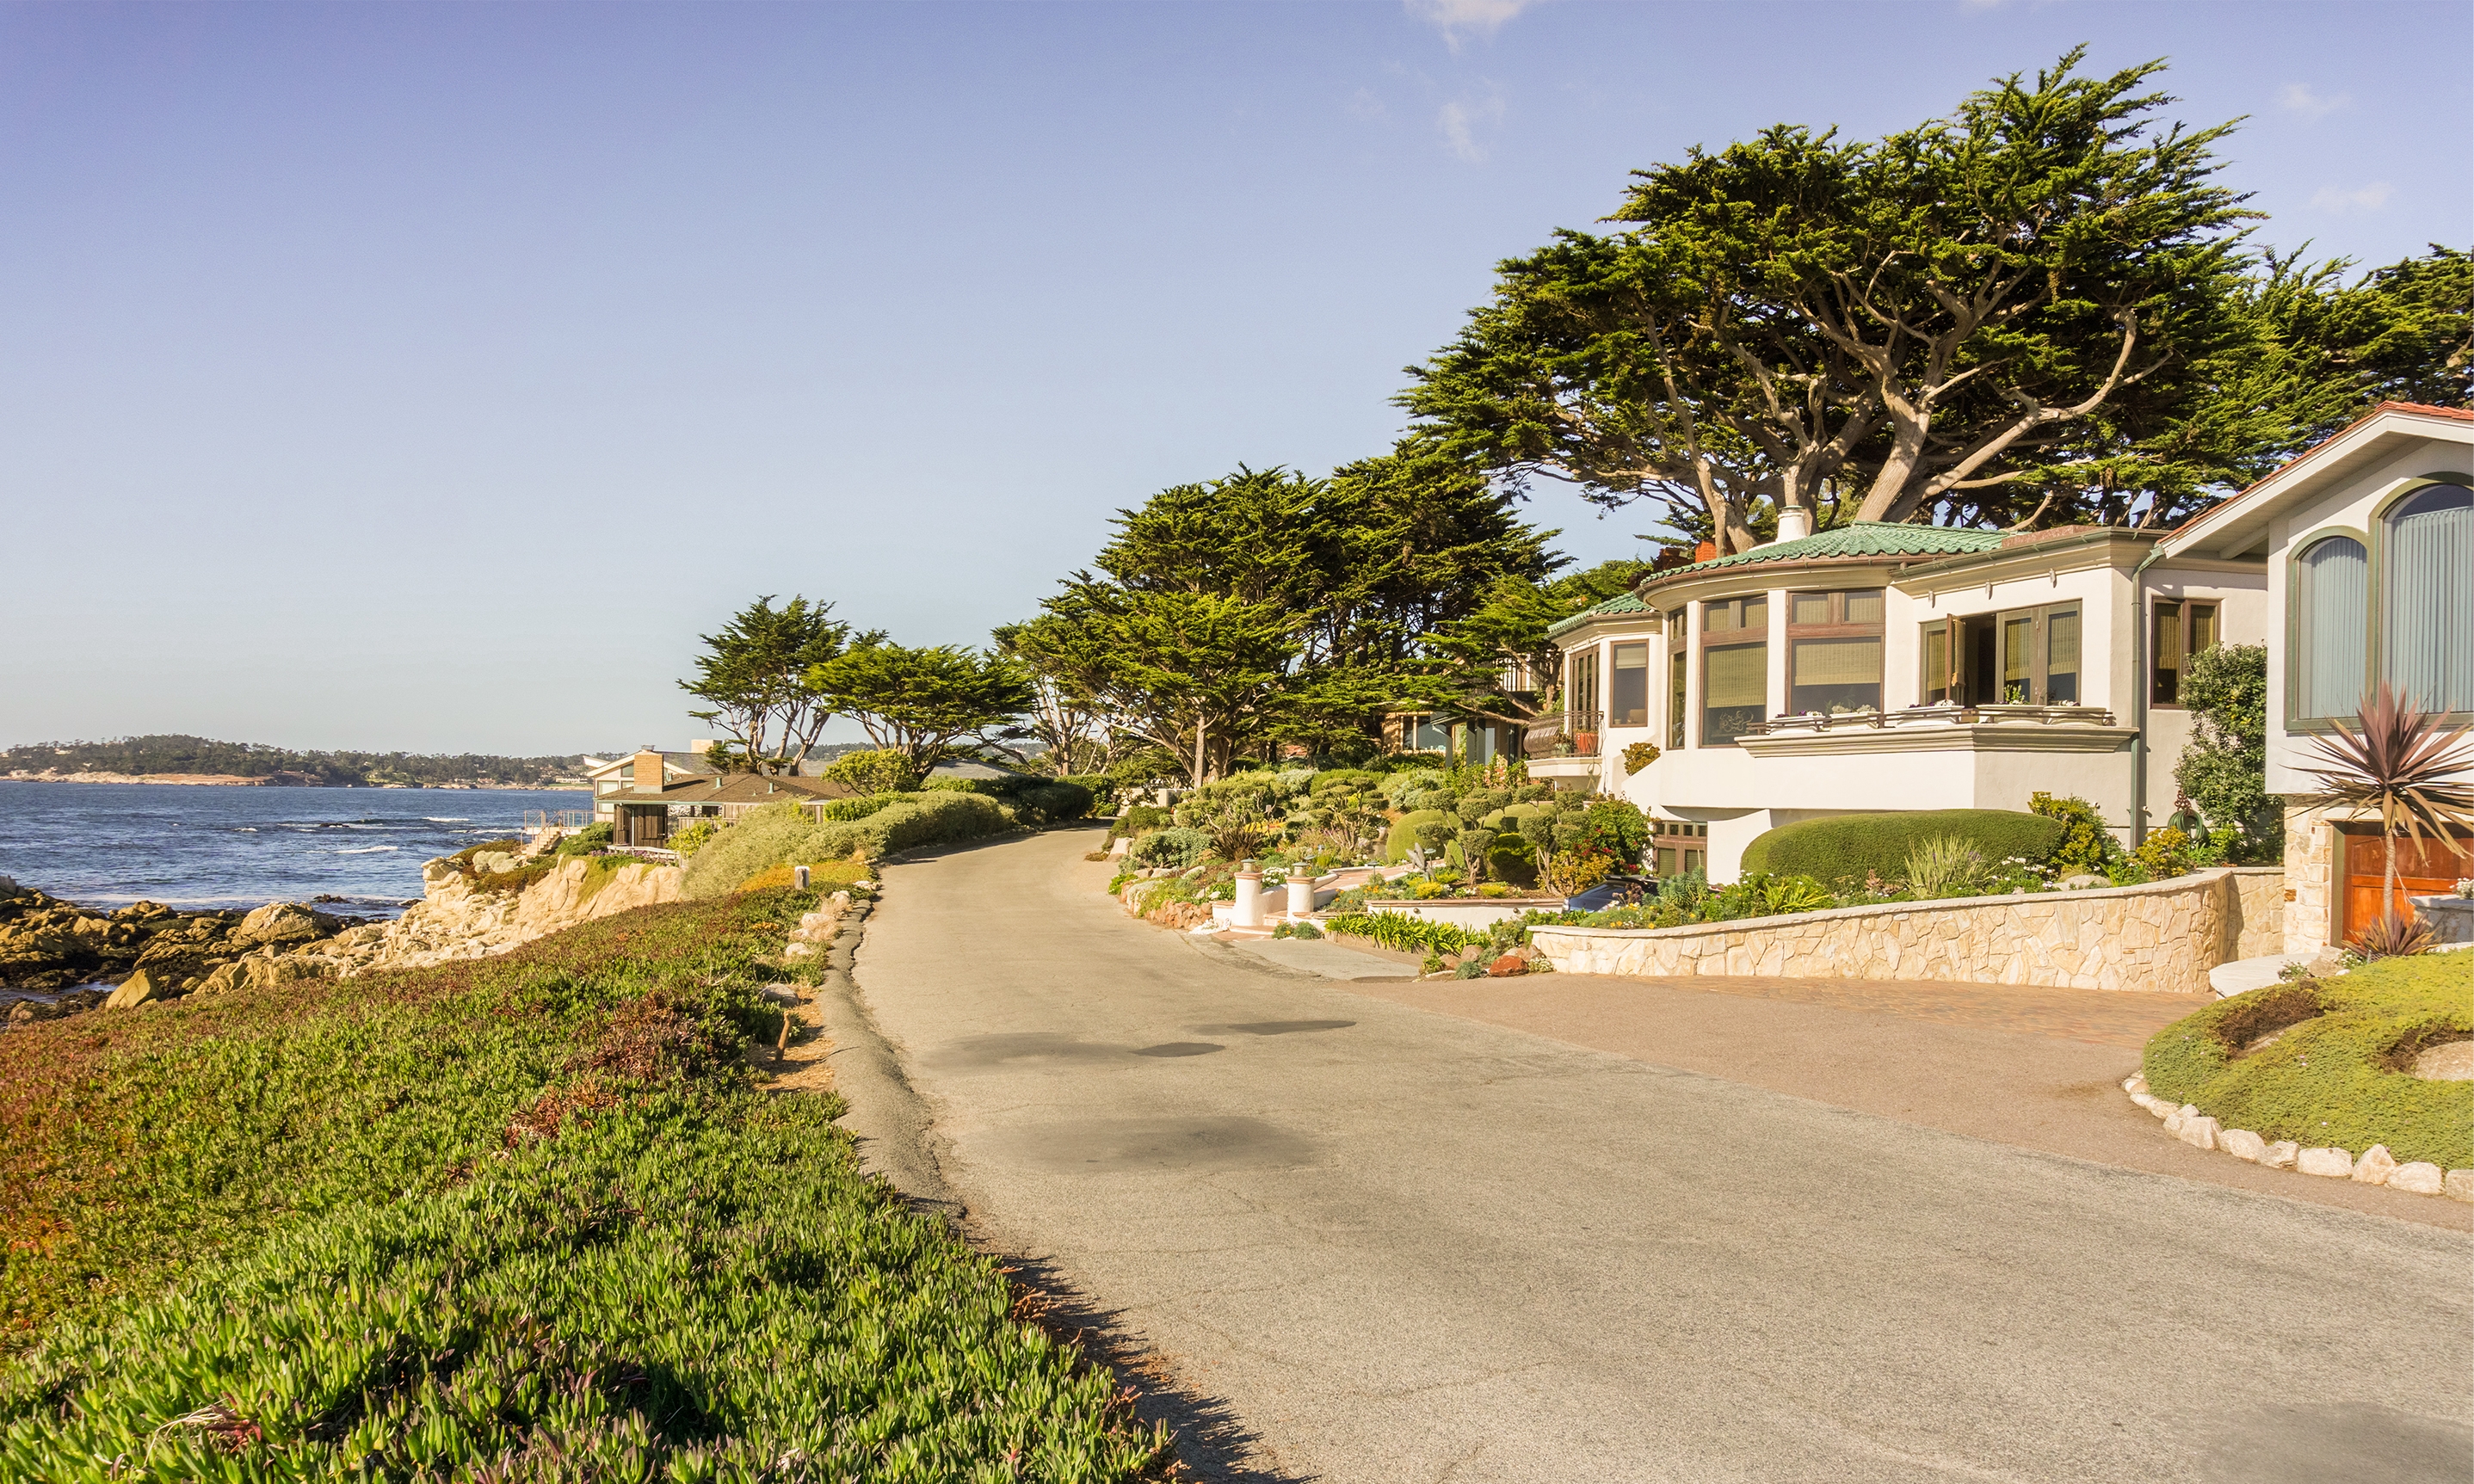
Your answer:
<point x="1795" y="523"/>
<point x="648" y="770"/>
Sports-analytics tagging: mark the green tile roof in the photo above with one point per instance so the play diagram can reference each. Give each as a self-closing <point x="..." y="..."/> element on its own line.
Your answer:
<point x="1621" y="603"/>
<point x="1855" y="540"/>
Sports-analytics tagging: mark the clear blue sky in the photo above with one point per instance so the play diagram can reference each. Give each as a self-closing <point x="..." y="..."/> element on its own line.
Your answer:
<point x="430" y="376"/>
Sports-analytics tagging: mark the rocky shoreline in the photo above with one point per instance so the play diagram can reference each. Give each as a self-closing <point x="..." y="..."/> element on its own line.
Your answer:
<point x="58" y="958"/>
<point x="269" y="781"/>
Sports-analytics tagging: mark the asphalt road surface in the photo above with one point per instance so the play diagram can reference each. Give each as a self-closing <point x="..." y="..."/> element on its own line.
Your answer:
<point x="1375" y="1243"/>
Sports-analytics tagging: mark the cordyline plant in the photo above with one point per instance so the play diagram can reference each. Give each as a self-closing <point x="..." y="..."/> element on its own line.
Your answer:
<point x="2397" y="765"/>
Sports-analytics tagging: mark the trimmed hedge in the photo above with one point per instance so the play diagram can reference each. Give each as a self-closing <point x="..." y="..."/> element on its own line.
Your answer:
<point x="2337" y="1076"/>
<point x="781" y="834"/>
<point x="1403" y="832"/>
<point x="1839" y="851"/>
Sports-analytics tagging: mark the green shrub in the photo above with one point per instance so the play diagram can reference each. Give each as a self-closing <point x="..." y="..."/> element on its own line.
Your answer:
<point x="1172" y="847"/>
<point x="1051" y="802"/>
<point x="1349" y="778"/>
<point x="1513" y="859"/>
<point x="686" y="841"/>
<point x="1942" y="866"/>
<point x="1408" y="830"/>
<point x="781" y="834"/>
<point x="1401" y="932"/>
<point x="1840" y="852"/>
<point x="586" y="841"/>
<point x="1139" y="819"/>
<point x="2337" y="1076"/>
<point x="2086" y="847"/>
<point x="834" y="810"/>
<point x="876" y="770"/>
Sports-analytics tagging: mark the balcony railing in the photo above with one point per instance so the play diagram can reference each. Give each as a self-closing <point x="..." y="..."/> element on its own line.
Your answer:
<point x="1564" y="734"/>
<point x="1937" y="716"/>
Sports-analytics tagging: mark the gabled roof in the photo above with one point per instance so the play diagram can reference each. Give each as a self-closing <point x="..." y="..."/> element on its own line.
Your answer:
<point x="2239" y="523"/>
<point x="1621" y="603"/>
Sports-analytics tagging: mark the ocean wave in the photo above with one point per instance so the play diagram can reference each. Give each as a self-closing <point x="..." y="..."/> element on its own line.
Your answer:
<point x="366" y="849"/>
<point x="434" y="818"/>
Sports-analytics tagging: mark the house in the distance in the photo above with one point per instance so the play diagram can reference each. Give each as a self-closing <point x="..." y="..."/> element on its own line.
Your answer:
<point x="654" y="797"/>
<point x="1892" y="667"/>
<point x="2369" y="542"/>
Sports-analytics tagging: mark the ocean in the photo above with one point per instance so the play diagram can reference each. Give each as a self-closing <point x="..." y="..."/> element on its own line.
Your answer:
<point x="106" y="845"/>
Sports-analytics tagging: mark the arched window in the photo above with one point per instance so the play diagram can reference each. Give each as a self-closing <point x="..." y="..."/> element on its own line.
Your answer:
<point x="2331" y="607"/>
<point x="2427" y="628"/>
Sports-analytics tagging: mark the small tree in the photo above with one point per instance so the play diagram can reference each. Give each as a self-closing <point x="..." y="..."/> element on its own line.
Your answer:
<point x="2225" y="768"/>
<point x="2397" y="766"/>
<point x="756" y="672"/>
<point x="924" y="704"/>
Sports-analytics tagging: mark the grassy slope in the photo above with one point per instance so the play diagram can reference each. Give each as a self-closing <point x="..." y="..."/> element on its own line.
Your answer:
<point x="2335" y="1078"/>
<point x="530" y="1211"/>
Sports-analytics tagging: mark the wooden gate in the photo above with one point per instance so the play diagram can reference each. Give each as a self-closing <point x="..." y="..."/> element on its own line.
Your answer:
<point x="2425" y="867"/>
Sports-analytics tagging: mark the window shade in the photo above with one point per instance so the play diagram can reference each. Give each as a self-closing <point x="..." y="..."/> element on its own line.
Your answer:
<point x="2331" y="608"/>
<point x="2062" y="642"/>
<point x="2018" y="649"/>
<point x="1837" y="662"/>
<point x="1864" y="607"/>
<point x="1632" y="656"/>
<point x="1808" y="608"/>
<point x="2428" y="647"/>
<point x="1737" y="674"/>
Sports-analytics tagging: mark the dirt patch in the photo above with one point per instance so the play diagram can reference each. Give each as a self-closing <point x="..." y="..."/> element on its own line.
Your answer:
<point x="2447" y="1060"/>
<point x="2265" y="1015"/>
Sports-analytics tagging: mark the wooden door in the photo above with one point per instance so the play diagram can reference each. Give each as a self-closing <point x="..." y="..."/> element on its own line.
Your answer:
<point x="2425" y="867"/>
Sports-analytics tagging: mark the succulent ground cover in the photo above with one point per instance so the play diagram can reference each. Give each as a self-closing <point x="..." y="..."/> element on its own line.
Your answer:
<point x="529" y="1217"/>
<point x="2326" y="1061"/>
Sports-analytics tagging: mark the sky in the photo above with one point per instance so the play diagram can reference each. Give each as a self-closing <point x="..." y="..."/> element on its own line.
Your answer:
<point x="432" y="376"/>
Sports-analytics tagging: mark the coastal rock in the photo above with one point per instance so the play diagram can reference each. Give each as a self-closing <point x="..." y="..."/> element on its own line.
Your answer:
<point x="282" y="922"/>
<point x="135" y="990"/>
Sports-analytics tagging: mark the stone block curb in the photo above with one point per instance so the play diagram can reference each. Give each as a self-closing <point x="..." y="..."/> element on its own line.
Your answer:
<point x="2375" y="1166"/>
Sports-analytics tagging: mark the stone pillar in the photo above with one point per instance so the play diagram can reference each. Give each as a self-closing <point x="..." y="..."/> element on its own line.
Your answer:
<point x="2311" y="881"/>
<point x="1248" y="912"/>
<point x="1300" y="896"/>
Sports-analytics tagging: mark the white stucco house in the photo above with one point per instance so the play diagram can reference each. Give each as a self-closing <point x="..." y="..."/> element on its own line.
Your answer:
<point x="1877" y="667"/>
<point x="2369" y="542"/>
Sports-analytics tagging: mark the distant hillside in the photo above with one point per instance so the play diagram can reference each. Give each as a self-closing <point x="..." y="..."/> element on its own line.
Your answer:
<point x="138" y="757"/>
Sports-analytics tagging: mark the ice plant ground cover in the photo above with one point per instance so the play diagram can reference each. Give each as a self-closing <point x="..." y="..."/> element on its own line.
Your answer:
<point x="529" y="1217"/>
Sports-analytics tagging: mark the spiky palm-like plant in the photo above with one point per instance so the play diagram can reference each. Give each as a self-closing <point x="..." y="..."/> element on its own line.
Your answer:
<point x="2397" y="766"/>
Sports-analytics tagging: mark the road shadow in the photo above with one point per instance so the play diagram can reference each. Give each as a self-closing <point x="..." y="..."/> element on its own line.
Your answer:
<point x="1213" y="1445"/>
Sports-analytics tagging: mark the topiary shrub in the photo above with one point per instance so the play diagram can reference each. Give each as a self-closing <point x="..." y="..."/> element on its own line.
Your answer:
<point x="876" y="770"/>
<point x="1350" y="779"/>
<point x="1412" y="826"/>
<point x="1841" y="852"/>
<point x="2337" y="1074"/>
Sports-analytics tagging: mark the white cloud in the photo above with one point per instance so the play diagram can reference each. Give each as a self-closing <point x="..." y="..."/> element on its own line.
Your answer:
<point x="1366" y="105"/>
<point x="1459" y="120"/>
<point x="1457" y="18"/>
<point x="2339" y="200"/>
<point x="2303" y="98"/>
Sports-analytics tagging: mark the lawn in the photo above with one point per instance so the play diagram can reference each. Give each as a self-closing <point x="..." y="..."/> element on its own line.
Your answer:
<point x="2334" y="1075"/>
<point x="530" y="1217"/>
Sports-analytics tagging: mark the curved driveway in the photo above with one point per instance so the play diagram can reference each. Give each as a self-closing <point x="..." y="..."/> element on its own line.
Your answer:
<point x="1400" y="1245"/>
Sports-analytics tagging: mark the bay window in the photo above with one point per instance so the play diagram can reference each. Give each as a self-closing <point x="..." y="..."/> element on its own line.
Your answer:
<point x="1835" y="651"/>
<point x="1734" y="667"/>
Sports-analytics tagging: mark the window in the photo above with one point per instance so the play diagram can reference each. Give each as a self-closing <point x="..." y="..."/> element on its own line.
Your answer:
<point x="2024" y="656"/>
<point x="2175" y="631"/>
<point x="1677" y="848"/>
<point x="1628" y="688"/>
<point x="1835" y="651"/>
<point x="1735" y="676"/>
<point x="1679" y="662"/>
<point x="1582" y="689"/>
<point x="2331" y="606"/>
<point x="2427" y="622"/>
<point x="1423" y="733"/>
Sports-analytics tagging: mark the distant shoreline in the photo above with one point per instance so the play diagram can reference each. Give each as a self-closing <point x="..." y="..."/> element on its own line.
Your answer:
<point x="235" y="780"/>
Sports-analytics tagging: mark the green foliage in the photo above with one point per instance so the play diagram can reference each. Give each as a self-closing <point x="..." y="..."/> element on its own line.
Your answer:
<point x="875" y="771"/>
<point x="757" y="674"/>
<point x="782" y="834"/>
<point x="925" y="704"/>
<point x="833" y="810"/>
<point x="1942" y="866"/>
<point x="531" y="1206"/>
<point x="1413" y="828"/>
<point x="173" y="753"/>
<point x="1845" y="850"/>
<point x="691" y="839"/>
<point x="2085" y="848"/>
<point x="1139" y="819"/>
<point x="588" y="840"/>
<point x="1173" y="846"/>
<point x="2223" y="770"/>
<point x="1401" y="932"/>
<point x="2337" y="1076"/>
<point x="1050" y="803"/>
<point x="2166" y="853"/>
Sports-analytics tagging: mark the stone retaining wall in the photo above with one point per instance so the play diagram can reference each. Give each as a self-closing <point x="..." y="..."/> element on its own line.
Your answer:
<point x="2160" y="938"/>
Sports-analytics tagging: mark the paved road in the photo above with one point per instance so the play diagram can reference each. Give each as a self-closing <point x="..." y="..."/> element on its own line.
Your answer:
<point x="1403" y="1246"/>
